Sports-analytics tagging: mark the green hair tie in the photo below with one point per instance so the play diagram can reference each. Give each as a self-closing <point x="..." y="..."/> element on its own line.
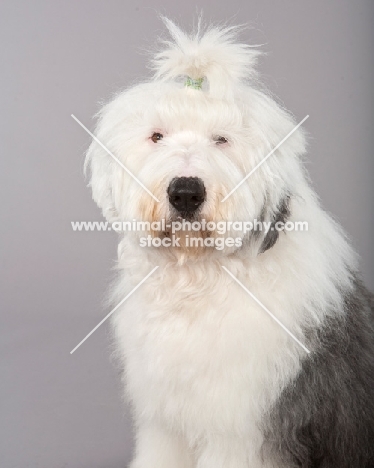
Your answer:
<point x="194" y="84"/>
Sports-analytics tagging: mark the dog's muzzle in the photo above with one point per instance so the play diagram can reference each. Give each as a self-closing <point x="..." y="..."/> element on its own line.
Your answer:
<point x="186" y="194"/>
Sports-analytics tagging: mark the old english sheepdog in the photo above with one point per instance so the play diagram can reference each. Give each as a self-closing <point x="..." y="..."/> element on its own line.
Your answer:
<point x="259" y="353"/>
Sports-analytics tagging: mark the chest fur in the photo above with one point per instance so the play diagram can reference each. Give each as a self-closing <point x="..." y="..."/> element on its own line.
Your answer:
<point x="207" y="361"/>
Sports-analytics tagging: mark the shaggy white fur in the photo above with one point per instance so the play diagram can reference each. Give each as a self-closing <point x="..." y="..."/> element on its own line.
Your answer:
<point x="203" y="362"/>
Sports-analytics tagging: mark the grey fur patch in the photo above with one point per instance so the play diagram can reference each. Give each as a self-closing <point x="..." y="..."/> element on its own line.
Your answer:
<point x="325" y="417"/>
<point x="281" y="214"/>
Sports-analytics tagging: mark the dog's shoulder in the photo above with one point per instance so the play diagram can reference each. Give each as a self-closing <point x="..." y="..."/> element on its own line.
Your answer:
<point x="324" y="417"/>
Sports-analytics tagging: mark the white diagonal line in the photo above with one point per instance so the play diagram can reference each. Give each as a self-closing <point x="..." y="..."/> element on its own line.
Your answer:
<point x="267" y="310"/>
<point x="113" y="310"/>
<point x="263" y="160"/>
<point x="115" y="158"/>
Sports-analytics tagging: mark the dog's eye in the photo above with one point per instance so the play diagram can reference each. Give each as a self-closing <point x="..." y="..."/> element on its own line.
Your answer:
<point x="157" y="137"/>
<point x="220" y="140"/>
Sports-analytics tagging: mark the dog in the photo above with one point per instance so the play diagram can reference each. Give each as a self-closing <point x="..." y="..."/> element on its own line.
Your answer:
<point x="257" y="351"/>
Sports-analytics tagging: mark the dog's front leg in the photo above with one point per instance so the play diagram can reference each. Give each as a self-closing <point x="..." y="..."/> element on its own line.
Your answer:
<point x="158" y="448"/>
<point x="227" y="453"/>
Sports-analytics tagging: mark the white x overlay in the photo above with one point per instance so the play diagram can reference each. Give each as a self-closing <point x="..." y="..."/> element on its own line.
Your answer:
<point x="116" y="159"/>
<point x="263" y="160"/>
<point x="266" y="310"/>
<point x="115" y="308"/>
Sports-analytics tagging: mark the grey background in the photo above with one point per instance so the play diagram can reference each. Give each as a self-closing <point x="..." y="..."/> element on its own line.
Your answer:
<point x="62" y="57"/>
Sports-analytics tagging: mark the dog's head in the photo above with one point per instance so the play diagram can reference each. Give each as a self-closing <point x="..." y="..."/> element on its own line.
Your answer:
<point x="189" y="136"/>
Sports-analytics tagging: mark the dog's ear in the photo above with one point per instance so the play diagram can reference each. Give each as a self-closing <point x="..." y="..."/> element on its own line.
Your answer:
<point x="280" y="214"/>
<point x="105" y="155"/>
<point x="103" y="179"/>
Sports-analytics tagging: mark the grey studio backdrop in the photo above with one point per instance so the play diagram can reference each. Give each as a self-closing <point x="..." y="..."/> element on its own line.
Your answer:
<point x="63" y="57"/>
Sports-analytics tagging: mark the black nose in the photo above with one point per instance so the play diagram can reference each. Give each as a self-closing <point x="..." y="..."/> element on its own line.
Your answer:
<point x="186" y="194"/>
